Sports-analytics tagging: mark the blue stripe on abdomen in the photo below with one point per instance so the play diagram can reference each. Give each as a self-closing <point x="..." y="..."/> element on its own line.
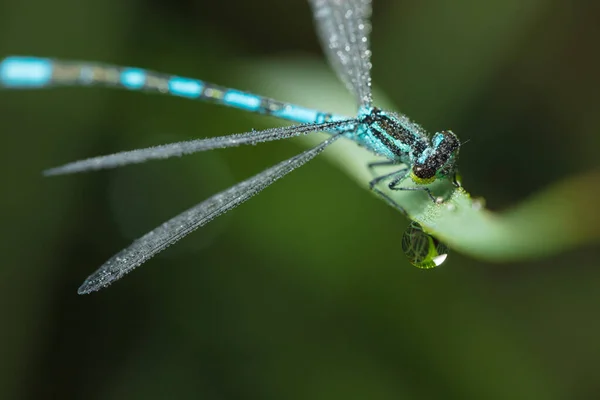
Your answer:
<point x="133" y="78"/>
<point x="185" y="87"/>
<point x="297" y="114"/>
<point x="25" y="72"/>
<point x="241" y="100"/>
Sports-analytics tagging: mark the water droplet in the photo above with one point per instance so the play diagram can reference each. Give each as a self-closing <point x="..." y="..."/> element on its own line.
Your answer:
<point x="423" y="250"/>
<point x="478" y="203"/>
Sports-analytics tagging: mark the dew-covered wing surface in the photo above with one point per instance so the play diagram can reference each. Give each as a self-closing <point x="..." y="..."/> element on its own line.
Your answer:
<point x="343" y="27"/>
<point x="178" y="149"/>
<point x="176" y="228"/>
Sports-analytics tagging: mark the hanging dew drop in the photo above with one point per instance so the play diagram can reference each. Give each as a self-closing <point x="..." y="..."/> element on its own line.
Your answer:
<point x="423" y="250"/>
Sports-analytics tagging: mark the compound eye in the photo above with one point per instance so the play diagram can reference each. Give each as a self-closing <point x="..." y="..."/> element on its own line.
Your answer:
<point x="423" y="172"/>
<point x="422" y="175"/>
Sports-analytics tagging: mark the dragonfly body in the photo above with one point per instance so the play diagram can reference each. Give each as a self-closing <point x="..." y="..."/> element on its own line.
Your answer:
<point x="343" y="27"/>
<point x="388" y="134"/>
<point x="402" y="141"/>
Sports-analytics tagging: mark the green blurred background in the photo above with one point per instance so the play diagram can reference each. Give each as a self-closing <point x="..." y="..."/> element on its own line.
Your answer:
<point x="302" y="293"/>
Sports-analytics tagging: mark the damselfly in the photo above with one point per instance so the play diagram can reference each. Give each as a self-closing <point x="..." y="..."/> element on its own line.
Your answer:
<point x="343" y="27"/>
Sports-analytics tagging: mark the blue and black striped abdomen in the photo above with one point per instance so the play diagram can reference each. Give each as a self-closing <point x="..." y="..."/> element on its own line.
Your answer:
<point x="34" y="72"/>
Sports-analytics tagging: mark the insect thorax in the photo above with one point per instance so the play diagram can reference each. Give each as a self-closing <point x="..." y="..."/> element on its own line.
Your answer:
<point x="392" y="135"/>
<point x="398" y="138"/>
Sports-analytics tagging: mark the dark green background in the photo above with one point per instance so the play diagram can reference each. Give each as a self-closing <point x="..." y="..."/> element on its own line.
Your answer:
<point x="303" y="293"/>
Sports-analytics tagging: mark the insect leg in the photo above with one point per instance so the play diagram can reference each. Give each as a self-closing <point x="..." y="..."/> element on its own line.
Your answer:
<point x="393" y="186"/>
<point x="390" y="201"/>
<point x="372" y="165"/>
<point x="403" y="173"/>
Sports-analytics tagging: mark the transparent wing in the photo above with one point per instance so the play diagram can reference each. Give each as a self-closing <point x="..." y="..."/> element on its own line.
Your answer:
<point x="193" y="146"/>
<point x="343" y="27"/>
<point x="176" y="228"/>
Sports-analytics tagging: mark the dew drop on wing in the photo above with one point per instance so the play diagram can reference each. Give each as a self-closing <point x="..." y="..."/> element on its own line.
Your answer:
<point x="423" y="250"/>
